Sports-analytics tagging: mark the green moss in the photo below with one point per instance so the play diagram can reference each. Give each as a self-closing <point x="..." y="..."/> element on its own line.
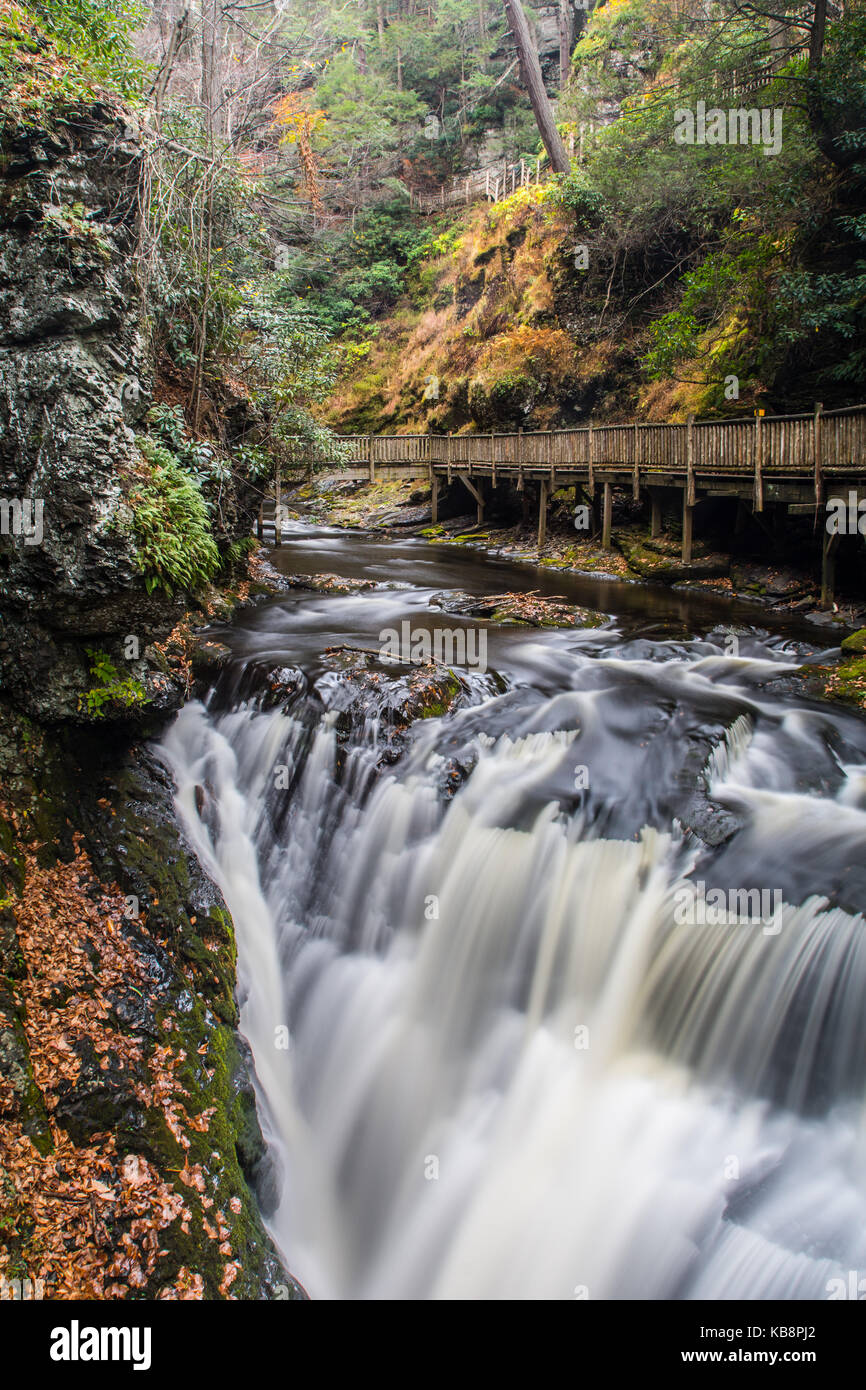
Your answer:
<point x="856" y="642"/>
<point x="849" y="682"/>
<point x="439" y="698"/>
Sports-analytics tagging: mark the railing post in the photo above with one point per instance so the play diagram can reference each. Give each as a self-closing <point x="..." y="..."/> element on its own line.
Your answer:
<point x="690" y="461"/>
<point x="819" y="462"/>
<point x="635" y="488"/>
<point x="371" y="459"/>
<point x="591" y="473"/>
<point x="448" y="452"/>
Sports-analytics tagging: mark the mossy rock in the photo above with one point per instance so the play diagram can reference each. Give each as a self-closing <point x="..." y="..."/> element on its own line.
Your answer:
<point x="855" y="643"/>
<point x="849" y="682"/>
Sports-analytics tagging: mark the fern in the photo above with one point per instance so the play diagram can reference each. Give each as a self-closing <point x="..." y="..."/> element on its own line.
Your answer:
<point x="174" y="545"/>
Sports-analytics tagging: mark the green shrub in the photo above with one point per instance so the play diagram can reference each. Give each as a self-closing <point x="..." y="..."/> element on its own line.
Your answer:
<point x="174" y="544"/>
<point x="112" y="687"/>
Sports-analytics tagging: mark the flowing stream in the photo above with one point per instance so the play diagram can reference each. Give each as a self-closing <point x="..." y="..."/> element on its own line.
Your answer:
<point x="505" y="1047"/>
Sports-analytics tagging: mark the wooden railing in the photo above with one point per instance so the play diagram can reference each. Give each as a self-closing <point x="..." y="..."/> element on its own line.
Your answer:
<point x="798" y="446"/>
<point x="494" y="183"/>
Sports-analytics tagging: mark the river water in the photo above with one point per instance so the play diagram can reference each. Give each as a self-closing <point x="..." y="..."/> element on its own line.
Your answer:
<point x="507" y="1042"/>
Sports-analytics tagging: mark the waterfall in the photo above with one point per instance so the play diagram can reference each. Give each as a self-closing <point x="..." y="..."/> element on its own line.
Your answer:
<point x="492" y="1062"/>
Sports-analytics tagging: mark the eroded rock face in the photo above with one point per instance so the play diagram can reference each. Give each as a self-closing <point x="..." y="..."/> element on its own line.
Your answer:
<point x="72" y="386"/>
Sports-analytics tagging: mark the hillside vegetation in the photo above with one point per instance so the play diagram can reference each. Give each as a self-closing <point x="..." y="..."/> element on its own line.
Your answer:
<point x="656" y="278"/>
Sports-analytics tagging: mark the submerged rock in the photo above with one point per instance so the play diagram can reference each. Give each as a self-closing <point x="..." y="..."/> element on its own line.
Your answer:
<point x="385" y="695"/>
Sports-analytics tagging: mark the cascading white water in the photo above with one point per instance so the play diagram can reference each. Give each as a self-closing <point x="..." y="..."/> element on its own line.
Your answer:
<point x="512" y="1072"/>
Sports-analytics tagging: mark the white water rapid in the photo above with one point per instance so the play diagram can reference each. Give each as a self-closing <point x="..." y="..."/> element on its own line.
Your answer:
<point x="492" y="1060"/>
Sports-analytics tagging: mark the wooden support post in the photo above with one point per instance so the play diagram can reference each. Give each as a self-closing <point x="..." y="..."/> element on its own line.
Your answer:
<point x="607" y="516"/>
<point x="655" y="514"/>
<point x="828" y="568"/>
<point x="434" y="499"/>
<point x="476" y="493"/>
<point x="758" y="497"/>
<point x="480" y="512"/>
<point x="542" y="512"/>
<point x="819" y="461"/>
<point x="688" y="528"/>
<point x="278" y="509"/>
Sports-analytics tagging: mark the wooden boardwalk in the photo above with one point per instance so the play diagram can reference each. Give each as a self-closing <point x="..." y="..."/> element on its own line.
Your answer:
<point x="493" y="184"/>
<point x="790" y="461"/>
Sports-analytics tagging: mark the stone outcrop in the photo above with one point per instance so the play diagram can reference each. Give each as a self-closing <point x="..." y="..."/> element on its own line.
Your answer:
<point x="72" y="384"/>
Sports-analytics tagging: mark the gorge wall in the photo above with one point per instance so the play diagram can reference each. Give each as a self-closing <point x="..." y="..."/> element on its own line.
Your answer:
<point x="129" y="1142"/>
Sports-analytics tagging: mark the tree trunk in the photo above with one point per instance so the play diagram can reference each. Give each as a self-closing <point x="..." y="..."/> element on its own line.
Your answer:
<point x="162" y="77"/>
<point x="530" y="69"/>
<point x="826" y="125"/>
<point x="566" y="34"/>
<point x="210" y="23"/>
<point x="816" y="42"/>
